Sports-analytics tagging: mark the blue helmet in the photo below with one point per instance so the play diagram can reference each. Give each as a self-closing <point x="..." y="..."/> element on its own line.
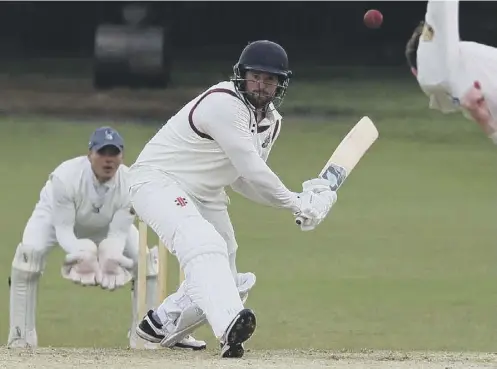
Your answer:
<point x="264" y="56"/>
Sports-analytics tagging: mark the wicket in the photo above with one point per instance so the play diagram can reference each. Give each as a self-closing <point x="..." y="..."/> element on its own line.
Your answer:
<point x="142" y="273"/>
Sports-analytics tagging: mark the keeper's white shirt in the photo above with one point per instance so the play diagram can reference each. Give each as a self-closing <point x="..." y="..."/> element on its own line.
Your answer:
<point x="81" y="207"/>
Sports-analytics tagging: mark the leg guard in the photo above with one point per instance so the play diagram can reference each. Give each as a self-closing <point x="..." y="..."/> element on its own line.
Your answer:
<point x="181" y="317"/>
<point x="152" y="271"/>
<point x="27" y="267"/>
<point x="204" y="258"/>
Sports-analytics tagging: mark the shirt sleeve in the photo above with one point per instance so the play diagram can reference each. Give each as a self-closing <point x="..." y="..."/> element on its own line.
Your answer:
<point x="244" y="188"/>
<point x="64" y="215"/>
<point x="438" y="59"/>
<point x="120" y="224"/>
<point x="227" y="120"/>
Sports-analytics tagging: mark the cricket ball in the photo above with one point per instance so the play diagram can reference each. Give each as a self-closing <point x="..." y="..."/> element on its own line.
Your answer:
<point x="373" y="18"/>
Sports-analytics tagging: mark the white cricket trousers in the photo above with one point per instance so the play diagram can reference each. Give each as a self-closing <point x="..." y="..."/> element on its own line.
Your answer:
<point x="28" y="264"/>
<point x="201" y="251"/>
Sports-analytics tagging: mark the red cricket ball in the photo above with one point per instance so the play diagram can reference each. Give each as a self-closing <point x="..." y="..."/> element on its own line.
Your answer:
<point x="373" y="18"/>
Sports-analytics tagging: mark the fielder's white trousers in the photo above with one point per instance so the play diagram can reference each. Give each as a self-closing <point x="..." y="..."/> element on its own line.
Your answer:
<point x="28" y="265"/>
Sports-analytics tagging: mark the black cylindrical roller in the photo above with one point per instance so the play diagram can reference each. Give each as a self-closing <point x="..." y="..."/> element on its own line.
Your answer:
<point x="131" y="56"/>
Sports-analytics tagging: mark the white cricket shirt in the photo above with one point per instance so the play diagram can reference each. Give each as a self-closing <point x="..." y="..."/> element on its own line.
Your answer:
<point x="81" y="207"/>
<point x="213" y="142"/>
<point x="447" y="66"/>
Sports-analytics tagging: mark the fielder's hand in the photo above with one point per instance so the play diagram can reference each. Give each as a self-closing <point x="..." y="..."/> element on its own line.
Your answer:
<point x="476" y="105"/>
<point x="115" y="268"/>
<point x="81" y="266"/>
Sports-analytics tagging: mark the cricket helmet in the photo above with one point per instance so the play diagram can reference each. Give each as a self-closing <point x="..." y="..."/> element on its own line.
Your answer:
<point x="264" y="56"/>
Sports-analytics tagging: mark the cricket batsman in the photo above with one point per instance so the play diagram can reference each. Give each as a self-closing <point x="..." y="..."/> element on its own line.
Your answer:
<point x="456" y="75"/>
<point x="221" y="138"/>
<point x="85" y="208"/>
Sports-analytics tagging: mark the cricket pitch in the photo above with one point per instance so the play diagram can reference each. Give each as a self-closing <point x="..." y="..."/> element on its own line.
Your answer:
<point x="62" y="358"/>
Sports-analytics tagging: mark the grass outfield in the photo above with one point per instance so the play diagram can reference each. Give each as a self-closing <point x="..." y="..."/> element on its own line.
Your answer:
<point x="406" y="259"/>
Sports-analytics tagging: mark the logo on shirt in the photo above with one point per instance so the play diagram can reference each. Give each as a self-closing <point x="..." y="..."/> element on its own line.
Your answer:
<point x="266" y="142"/>
<point x="428" y="32"/>
<point x="96" y="209"/>
<point x="181" y="201"/>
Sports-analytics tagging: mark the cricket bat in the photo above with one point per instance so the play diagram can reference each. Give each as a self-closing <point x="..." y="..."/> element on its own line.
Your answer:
<point x="347" y="154"/>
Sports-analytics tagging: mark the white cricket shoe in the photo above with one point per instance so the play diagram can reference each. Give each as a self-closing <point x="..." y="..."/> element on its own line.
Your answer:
<point x="152" y="331"/>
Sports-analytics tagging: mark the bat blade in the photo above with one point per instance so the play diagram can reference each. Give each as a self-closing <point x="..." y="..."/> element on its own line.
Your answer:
<point x="347" y="154"/>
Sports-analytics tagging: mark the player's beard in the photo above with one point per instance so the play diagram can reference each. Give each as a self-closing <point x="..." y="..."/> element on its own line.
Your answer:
<point x="259" y="99"/>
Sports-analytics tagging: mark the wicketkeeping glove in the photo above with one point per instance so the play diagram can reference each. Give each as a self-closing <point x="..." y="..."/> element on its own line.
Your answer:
<point x="81" y="266"/>
<point x="115" y="268"/>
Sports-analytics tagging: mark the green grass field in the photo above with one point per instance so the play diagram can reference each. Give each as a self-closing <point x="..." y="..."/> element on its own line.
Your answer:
<point x="406" y="260"/>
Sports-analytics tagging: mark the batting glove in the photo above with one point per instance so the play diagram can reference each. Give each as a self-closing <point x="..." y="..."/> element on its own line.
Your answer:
<point x="314" y="207"/>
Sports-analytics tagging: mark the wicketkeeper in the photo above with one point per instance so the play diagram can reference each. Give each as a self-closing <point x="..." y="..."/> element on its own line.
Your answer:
<point x="85" y="208"/>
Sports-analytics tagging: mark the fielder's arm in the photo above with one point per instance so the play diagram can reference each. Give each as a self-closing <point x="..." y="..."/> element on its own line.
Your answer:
<point x="63" y="215"/>
<point x="488" y="126"/>
<point x="438" y="51"/>
<point x="119" y="226"/>
<point x="476" y="108"/>
<point x="227" y="120"/>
